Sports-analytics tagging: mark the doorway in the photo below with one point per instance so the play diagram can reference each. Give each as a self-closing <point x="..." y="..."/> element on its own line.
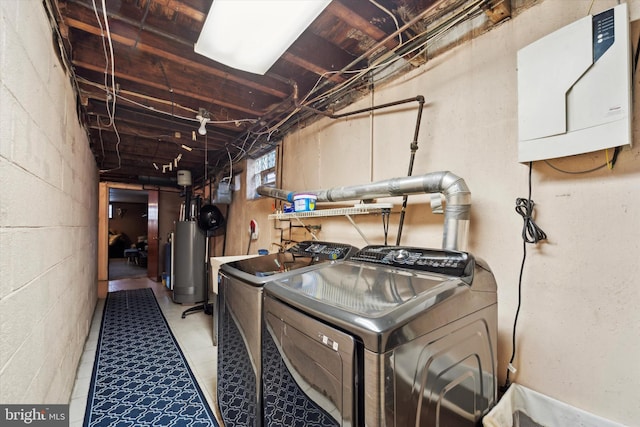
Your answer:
<point x="128" y="215"/>
<point x="163" y="208"/>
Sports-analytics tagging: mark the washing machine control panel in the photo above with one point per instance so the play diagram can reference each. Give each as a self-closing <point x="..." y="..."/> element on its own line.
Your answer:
<point x="323" y="250"/>
<point x="451" y="263"/>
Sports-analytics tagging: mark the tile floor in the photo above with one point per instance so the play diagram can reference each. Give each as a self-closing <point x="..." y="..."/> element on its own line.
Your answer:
<point x="193" y="333"/>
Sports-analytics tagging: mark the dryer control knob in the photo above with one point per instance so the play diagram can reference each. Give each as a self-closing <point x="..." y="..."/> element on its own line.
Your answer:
<point x="401" y="255"/>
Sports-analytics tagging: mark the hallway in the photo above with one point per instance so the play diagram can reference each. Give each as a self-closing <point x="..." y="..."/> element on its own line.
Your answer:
<point x="194" y="335"/>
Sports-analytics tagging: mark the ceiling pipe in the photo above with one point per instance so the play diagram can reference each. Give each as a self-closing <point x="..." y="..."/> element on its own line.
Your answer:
<point x="414" y="144"/>
<point x="263" y="120"/>
<point x="283" y="126"/>
<point x="294" y="96"/>
<point x="155" y="180"/>
<point x="374" y="48"/>
<point x="382" y="42"/>
<point x="455" y="190"/>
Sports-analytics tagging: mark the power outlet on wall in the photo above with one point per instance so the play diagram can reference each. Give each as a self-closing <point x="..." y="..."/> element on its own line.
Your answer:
<point x="253" y="229"/>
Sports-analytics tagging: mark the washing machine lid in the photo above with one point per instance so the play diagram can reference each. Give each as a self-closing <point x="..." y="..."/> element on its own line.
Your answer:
<point x="376" y="301"/>
<point x="303" y="256"/>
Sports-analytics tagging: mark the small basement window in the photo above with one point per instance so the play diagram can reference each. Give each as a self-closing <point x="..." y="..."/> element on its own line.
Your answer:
<point x="261" y="171"/>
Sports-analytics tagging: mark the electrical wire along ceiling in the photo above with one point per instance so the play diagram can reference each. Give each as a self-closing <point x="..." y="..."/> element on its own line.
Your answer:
<point x="152" y="105"/>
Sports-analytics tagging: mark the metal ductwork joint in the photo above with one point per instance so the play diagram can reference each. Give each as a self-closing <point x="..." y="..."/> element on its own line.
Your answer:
<point x="457" y="196"/>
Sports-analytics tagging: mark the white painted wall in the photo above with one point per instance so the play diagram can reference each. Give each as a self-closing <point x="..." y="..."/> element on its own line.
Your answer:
<point x="48" y="215"/>
<point x="579" y="327"/>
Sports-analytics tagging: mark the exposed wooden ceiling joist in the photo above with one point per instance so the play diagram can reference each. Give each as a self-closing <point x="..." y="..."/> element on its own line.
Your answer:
<point x="161" y="83"/>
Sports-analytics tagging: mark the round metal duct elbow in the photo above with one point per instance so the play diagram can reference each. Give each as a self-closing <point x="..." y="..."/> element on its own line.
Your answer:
<point x="455" y="190"/>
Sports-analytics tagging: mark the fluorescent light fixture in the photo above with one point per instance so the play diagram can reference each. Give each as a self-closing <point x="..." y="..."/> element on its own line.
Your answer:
<point x="251" y="35"/>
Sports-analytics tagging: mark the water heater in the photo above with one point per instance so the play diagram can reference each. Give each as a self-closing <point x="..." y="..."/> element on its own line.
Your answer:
<point x="574" y="88"/>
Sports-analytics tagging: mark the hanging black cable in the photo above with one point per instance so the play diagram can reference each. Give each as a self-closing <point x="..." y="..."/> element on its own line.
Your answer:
<point x="531" y="233"/>
<point x="385" y="223"/>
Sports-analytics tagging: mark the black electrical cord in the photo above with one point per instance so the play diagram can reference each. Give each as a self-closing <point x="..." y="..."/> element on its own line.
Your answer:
<point x="609" y="164"/>
<point x="385" y="223"/>
<point x="531" y="233"/>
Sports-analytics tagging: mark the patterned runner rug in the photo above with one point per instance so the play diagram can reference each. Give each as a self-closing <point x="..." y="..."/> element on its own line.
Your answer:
<point x="140" y="376"/>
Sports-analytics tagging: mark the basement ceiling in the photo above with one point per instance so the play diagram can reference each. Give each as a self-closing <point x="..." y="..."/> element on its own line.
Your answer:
<point x="140" y="85"/>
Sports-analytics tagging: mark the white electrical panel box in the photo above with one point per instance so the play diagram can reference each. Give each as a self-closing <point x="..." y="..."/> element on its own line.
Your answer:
<point x="574" y="88"/>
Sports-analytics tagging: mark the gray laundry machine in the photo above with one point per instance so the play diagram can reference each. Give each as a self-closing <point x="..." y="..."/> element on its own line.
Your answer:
<point x="392" y="337"/>
<point x="239" y="314"/>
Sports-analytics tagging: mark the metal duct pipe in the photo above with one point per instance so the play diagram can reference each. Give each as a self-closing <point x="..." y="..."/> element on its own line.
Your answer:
<point x="154" y="180"/>
<point x="454" y="189"/>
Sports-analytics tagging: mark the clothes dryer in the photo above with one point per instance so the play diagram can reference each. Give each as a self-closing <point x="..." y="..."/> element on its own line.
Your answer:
<point x="239" y="381"/>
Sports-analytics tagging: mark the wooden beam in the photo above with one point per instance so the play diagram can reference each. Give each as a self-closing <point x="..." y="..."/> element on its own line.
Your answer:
<point x="165" y="125"/>
<point x="144" y="70"/>
<point x="498" y="10"/>
<point x="82" y="18"/>
<point x="356" y="20"/>
<point x="143" y="99"/>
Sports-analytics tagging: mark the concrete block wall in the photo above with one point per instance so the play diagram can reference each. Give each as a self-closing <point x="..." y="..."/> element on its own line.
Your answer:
<point x="48" y="214"/>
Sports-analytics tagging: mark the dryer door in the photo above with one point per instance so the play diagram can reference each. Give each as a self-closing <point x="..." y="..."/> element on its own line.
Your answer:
<point x="308" y="370"/>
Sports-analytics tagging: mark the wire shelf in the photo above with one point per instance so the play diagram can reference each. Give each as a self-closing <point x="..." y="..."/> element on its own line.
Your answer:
<point x="355" y="210"/>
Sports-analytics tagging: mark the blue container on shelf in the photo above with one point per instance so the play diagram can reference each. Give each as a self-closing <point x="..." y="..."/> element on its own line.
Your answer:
<point x="304" y="202"/>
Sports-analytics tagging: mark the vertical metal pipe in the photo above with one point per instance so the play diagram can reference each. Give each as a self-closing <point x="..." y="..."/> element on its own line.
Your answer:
<point x="414" y="148"/>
